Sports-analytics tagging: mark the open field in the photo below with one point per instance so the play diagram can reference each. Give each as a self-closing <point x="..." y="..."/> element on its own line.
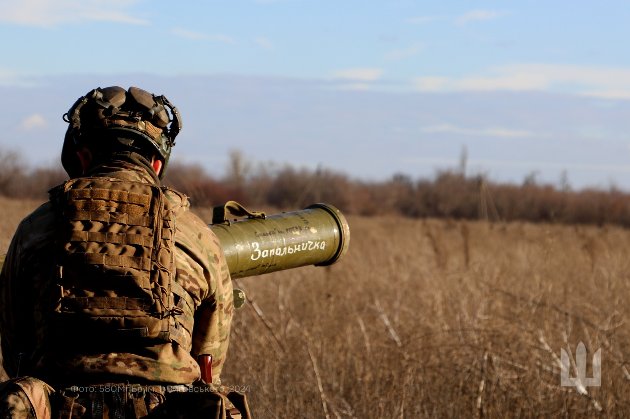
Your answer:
<point x="428" y="318"/>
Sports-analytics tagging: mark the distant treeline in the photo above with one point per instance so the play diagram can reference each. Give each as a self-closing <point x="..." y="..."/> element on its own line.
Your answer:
<point x="449" y="194"/>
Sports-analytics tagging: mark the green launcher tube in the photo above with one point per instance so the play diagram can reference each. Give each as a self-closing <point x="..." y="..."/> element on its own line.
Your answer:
<point x="317" y="235"/>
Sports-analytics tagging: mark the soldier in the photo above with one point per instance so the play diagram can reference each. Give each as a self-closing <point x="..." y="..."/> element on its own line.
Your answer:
<point x="113" y="290"/>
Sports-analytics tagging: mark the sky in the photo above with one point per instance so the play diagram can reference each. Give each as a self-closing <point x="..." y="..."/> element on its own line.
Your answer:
<point x="368" y="88"/>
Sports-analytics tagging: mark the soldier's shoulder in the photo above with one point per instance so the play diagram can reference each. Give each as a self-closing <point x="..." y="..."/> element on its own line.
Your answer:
<point x="191" y="224"/>
<point x="176" y="198"/>
<point x="38" y="227"/>
<point x="193" y="232"/>
<point x="42" y="214"/>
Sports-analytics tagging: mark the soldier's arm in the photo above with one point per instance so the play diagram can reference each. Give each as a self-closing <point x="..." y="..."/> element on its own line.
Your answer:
<point x="9" y="302"/>
<point x="214" y="318"/>
<point x="204" y="268"/>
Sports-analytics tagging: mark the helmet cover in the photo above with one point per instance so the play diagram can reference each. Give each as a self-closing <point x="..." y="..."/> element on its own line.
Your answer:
<point x="144" y="120"/>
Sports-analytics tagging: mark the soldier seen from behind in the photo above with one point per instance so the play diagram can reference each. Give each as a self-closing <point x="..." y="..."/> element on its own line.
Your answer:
<point x="113" y="290"/>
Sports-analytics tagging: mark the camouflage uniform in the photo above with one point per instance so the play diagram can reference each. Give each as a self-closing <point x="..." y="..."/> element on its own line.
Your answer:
<point x="26" y="288"/>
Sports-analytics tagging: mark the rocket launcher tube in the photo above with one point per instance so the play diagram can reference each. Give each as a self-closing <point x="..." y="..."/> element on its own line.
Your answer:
<point x="317" y="235"/>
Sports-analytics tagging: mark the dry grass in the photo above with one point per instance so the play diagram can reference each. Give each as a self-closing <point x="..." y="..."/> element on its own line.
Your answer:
<point x="427" y="318"/>
<point x="439" y="319"/>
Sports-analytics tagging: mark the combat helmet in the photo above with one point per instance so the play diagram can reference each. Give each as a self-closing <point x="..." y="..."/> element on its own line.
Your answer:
<point x="134" y="117"/>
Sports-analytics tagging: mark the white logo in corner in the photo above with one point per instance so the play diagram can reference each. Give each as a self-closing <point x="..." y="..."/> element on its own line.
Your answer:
<point x="581" y="381"/>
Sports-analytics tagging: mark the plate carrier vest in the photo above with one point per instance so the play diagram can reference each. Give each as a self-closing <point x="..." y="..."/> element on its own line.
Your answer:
<point x="116" y="270"/>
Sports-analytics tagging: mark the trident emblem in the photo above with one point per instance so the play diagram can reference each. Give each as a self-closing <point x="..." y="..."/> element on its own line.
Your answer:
<point x="581" y="381"/>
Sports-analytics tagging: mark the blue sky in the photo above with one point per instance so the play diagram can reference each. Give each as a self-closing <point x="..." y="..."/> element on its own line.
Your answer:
<point x="392" y="86"/>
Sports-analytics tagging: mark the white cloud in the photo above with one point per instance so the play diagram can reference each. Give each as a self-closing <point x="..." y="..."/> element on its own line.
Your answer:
<point x="33" y="122"/>
<point x="603" y="82"/>
<point x="608" y="94"/>
<point x="359" y="74"/>
<point x="47" y="13"/>
<point x="401" y="54"/>
<point x="478" y="132"/>
<point x="510" y="81"/>
<point x="432" y="84"/>
<point x="14" y="78"/>
<point x="226" y="39"/>
<point x="359" y="87"/>
<point x="463" y="19"/>
<point x="421" y="20"/>
<point x="478" y="15"/>
<point x="263" y="42"/>
<point x="188" y="34"/>
<point x="200" y="36"/>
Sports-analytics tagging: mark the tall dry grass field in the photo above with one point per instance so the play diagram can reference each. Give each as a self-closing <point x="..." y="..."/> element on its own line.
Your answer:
<point x="427" y="318"/>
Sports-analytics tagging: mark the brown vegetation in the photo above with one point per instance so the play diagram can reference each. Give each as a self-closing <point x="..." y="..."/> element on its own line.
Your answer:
<point x="450" y="194"/>
<point x="436" y="318"/>
<point x="439" y="319"/>
<point x="17" y="180"/>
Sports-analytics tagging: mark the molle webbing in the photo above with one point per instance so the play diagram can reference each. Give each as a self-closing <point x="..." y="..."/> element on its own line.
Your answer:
<point x="117" y="272"/>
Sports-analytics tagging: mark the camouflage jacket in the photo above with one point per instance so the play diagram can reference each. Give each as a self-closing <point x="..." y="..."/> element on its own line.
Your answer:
<point x="26" y="282"/>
